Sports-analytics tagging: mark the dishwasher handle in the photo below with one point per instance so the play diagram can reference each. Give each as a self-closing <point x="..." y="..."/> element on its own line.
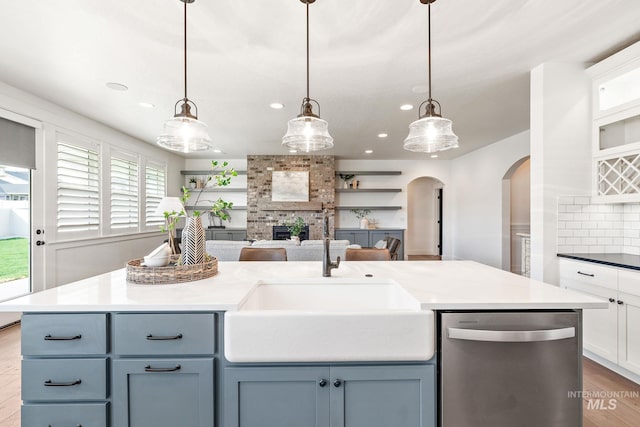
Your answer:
<point x="511" y="336"/>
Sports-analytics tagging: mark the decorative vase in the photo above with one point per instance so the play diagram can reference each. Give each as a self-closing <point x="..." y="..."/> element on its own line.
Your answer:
<point x="193" y="242"/>
<point x="295" y="239"/>
<point x="364" y="223"/>
<point x="346" y="184"/>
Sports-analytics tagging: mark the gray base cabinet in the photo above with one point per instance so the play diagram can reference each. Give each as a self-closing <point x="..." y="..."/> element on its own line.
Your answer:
<point x="163" y="392"/>
<point x="369" y="237"/>
<point x="335" y="396"/>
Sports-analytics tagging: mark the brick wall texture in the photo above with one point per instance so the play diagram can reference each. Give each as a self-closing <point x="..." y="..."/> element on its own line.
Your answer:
<point x="263" y="214"/>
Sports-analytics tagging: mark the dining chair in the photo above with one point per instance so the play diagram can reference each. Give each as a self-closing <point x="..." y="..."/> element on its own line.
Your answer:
<point x="393" y="244"/>
<point x="263" y="254"/>
<point x="367" y="254"/>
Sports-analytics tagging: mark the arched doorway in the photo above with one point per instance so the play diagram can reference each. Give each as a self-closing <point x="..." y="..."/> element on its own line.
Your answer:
<point x="423" y="239"/>
<point x="516" y="214"/>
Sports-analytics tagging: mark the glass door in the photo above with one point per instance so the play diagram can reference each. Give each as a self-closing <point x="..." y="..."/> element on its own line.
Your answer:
<point x="15" y="231"/>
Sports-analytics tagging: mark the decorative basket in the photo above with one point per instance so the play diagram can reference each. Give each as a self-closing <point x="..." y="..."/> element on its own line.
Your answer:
<point x="170" y="274"/>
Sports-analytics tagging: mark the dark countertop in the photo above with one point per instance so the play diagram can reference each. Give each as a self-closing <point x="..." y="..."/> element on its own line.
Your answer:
<point x="615" y="260"/>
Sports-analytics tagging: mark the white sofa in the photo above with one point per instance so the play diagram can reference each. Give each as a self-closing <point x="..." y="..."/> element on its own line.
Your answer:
<point x="307" y="250"/>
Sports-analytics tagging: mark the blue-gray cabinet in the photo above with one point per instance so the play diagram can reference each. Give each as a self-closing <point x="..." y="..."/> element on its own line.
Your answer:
<point x="163" y="369"/>
<point x="64" y="369"/>
<point x="330" y="396"/>
<point x="165" y="392"/>
<point x="369" y="237"/>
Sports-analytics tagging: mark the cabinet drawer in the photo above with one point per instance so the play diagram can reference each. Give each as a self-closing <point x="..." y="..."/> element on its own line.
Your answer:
<point x="629" y="282"/>
<point x="164" y="334"/>
<point x="57" y="415"/>
<point x="64" y="379"/>
<point x="589" y="273"/>
<point x="64" y="334"/>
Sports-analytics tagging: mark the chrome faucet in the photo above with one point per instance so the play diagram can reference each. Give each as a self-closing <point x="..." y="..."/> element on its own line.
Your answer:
<point x="327" y="264"/>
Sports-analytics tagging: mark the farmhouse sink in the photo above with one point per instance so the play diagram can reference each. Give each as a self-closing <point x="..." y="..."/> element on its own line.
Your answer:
<point x="329" y="321"/>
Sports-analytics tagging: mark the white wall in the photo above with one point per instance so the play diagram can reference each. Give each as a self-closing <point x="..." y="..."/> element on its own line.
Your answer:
<point x="560" y="154"/>
<point x="57" y="263"/>
<point x="411" y="170"/>
<point x="477" y="199"/>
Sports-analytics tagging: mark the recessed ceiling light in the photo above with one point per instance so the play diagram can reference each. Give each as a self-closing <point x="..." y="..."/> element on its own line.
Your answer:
<point x="146" y="104"/>
<point x="433" y="156"/>
<point x="383" y="135"/>
<point x="293" y="151"/>
<point x="406" y="107"/>
<point x="117" y="86"/>
<point x="217" y="150"/>
<point x="276" y="105"/>
<point x="368" y="151"/>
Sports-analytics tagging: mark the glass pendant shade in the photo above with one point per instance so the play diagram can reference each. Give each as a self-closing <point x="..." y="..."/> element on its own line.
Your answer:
<point x="307" y="133"/>
<point x="185" y="134"/>
<point x="430" y="134"/>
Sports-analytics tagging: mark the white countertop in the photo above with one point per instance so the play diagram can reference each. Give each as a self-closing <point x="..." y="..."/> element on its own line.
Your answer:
<point x="438" y="285"/>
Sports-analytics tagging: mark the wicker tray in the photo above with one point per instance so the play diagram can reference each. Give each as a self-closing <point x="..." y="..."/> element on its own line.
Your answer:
<point x="171" y="273"/>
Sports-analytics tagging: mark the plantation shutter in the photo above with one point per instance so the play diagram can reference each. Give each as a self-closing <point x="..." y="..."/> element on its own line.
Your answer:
<point x="154" y="192"/>
<point x="124" y="193"/>
<point x="78" y="199"/>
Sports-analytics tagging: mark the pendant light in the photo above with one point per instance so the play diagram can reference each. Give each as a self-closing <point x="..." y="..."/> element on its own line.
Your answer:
<point x="184" y="132"/>
<point x="431" y="132"/>
<point x="308" y="132"/>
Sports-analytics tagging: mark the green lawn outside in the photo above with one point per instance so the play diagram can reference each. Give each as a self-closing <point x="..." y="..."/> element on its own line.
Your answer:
<point x="14" y="259"/>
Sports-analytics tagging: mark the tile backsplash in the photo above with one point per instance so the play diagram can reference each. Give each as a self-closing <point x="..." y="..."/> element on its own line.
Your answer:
<point x="585" y="227"/>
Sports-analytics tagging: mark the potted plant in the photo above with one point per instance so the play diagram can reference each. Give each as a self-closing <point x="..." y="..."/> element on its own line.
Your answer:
<point x="193" y="182"/>
<point x="361" y="214"/>
<point x="295" y="228"/>
<point x="346" y="177"/>
<point x="219" y="211"/>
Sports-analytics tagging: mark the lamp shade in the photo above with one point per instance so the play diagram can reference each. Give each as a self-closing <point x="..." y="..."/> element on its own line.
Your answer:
<point x="169" y="204"/>
<point x="307" y="133"/>
<point x="430" y="134"/>
<point x="185" y="134"/>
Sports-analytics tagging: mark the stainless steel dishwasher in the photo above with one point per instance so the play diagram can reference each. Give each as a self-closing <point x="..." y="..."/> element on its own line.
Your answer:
<point x="507" y="369"/>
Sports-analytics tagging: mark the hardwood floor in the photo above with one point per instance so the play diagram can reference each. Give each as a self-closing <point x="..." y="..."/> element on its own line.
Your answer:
<point x="596" y="379"/>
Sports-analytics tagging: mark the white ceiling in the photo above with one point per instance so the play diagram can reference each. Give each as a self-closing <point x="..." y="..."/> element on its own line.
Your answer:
<point x="367" y="58"/>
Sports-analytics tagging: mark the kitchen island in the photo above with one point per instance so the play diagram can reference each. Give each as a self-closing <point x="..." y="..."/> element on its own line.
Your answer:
<point x="103" y="352"/>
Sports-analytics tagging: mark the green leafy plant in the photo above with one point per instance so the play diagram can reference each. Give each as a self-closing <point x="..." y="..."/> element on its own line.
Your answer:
<point x="295" y="227"/>
<point x="221" y="176"/>
<point x="361" y="213"/>
<point x="346" y="176"/>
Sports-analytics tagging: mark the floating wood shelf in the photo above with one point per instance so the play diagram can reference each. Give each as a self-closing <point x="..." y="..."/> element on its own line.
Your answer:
<point x="205" y="172"/>
<point x="368" y="190"/>
<point x="373" y="208"/>
<point x="219" y="190"/>
<point x="290" y="206"/>
<point x="369" y="172"/>
<point x="206" y="208"/>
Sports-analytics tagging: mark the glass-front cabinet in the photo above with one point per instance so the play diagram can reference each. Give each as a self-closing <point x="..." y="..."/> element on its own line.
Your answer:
<point x="616" y="127"/>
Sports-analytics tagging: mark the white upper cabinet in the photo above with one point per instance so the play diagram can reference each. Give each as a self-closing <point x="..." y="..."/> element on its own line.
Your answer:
<point x="616" y="127"/>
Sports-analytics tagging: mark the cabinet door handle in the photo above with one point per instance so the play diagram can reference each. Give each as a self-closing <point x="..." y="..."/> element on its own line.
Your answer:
<point x="620" y="302"/>
<point x="322" y="382"/>
<point x="69" y="338"/>
<point x="148" y="368"/>
<point x="77" y="425"/>
<point x="337" y="383"/>
<point x="586" y="274"/>
<point x="164" y="338"/>
<point x="49" y="383"/>
<point x="612" y="300"/>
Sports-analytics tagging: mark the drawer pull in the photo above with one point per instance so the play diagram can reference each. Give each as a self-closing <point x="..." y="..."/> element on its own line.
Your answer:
<point x="148" y="368"/>
<point x="586" y="274"/>
<point x="164" y="338"/>
<point x="78" y="425"/>
<point x="49" y="383"/>
<point x="69" y="338"/>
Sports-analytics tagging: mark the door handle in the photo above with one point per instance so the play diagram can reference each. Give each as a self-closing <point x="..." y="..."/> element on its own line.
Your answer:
<point x="511" y="336"/>
<point x="39" y="242"/>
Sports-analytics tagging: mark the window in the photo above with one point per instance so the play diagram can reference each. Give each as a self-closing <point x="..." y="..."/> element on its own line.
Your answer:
<point x="154" y="192"/>
<point x="124" y="193"/>
<point x="78" y="198"/>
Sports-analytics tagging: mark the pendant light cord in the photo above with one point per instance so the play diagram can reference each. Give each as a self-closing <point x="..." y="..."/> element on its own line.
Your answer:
<point x="308" y="50"/>
<point x="185" y="50"/>
<point x="429" y="45"/>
